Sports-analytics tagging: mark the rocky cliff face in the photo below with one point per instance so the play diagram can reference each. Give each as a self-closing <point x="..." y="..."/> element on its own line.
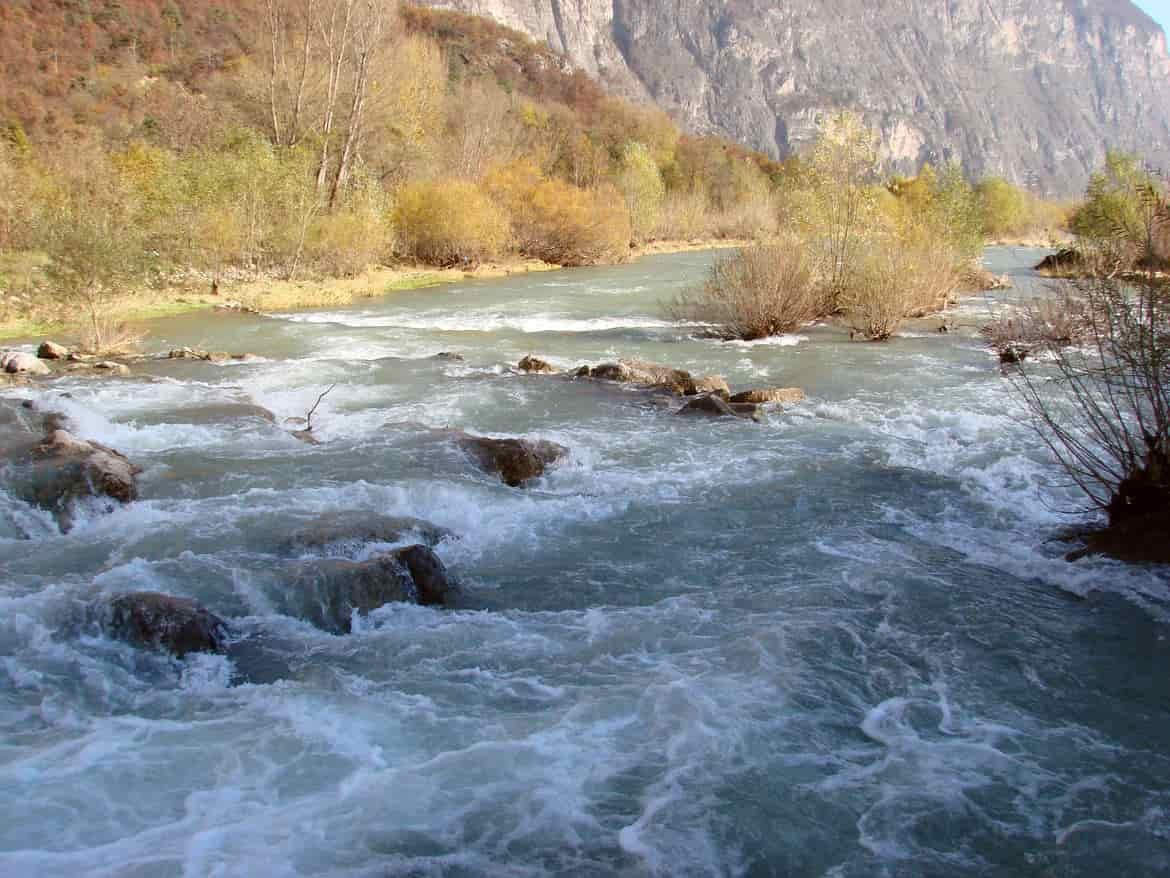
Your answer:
<point x="1034" y="90"/>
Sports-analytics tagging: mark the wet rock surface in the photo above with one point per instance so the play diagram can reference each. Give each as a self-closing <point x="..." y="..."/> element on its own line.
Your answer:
<point x="163" y="622"/>
<point x="515" y="461"/>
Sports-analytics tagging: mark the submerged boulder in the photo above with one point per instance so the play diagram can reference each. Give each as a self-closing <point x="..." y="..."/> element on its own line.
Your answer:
<point x="535" y="364"/>
<point x="770" y="396"/>
<point x="348" y="532"/>
<point x="161" y="621"/>
<point x="329" y="590"/>
<point x="64" y="468"/>
<point x="19" y="363"/>
<point x="515" y="461"/>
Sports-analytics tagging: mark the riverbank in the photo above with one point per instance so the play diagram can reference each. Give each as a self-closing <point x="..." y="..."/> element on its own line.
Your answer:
<point x="270" y="294"/>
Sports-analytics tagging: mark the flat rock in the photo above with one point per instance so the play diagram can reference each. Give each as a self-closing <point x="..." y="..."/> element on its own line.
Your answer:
<point x="770" y="396"/>
<point x="515" y="461"/>
<point x="163" y="622"/>
<point x="644" y="373"/>
<point x="20" y="363"/>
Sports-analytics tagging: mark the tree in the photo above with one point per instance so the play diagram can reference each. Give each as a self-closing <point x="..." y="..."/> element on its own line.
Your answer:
<point x="1003" y="207"/>
<point x="841" y="171"/>
<point x="641" y="184"/>
<point x="1121" y="213"/>
<point x="92" y="235"/>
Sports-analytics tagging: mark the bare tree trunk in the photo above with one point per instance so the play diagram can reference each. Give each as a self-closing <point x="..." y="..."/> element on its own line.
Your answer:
<point x="336" y="39"/>
<point x="274" y="29"/>
<point x="367" y="41"/>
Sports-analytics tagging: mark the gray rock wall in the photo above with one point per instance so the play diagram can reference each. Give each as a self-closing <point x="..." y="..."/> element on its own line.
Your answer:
<point x="1031" y="90"/>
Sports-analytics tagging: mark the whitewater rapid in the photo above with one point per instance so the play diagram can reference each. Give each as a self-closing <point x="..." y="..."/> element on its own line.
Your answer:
<point x="841" y="642"/>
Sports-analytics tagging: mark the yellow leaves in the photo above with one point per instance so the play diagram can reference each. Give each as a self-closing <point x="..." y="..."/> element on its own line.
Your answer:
<point x="449" y="223"/>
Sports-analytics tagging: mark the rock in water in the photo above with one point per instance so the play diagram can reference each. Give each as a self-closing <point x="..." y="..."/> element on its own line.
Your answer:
<point x="65" y="468"/>
<point x="50" y="350"/>
<point x="348" y="532"/>
<point x="771" y="396"/>
<point x="535" y="364"/>
<point x="514" y="460"/>
<point x="713" y="405"/>
<point x="18" y="363"/>
<point x="329" y="590"/>
<point x="161" y="621"/>
<point x="713" y="384"/>
<point x="642" y="372"/>
<point x="431" y="583"/>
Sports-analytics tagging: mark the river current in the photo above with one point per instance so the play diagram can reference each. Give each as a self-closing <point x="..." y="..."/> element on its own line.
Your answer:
<point x="837" y="643"/>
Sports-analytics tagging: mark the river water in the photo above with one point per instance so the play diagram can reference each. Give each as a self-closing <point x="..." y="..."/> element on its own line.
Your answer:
<point x="837" y="643"/>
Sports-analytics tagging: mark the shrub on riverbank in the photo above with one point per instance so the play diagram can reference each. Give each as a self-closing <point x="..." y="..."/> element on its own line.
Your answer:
<point x="560" y="223"/>
<point x="755" y="293"/>
<point x="1106" y="417"/>
<point x="449" y="223"/>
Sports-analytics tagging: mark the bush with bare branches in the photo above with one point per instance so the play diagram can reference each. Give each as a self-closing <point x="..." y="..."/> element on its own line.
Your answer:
<point x="1104" y="411"/>
<point x="754" y="293"/>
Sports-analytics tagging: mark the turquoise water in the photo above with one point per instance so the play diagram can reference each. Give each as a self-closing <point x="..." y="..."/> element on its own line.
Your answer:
<point x="838" y="643"/>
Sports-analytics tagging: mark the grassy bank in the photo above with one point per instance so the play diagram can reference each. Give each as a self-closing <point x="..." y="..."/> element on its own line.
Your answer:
<point x="275" y="295"/>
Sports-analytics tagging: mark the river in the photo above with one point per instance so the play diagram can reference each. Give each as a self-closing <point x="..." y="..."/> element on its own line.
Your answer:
<point x="836" y="643"/>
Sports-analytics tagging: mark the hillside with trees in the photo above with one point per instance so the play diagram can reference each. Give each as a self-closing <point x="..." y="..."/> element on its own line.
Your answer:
<point x="154" y="144"/>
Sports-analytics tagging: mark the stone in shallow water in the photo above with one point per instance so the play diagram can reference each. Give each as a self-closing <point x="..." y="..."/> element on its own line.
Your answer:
<point x="50" y="350"/>
<point x="715" y="406"/>
<point x="770" y="396"/>
<point x="19" y="363"/>
<point x="535" y="364"/>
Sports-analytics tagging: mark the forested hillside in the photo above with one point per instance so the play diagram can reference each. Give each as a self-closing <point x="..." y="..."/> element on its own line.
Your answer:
<point x="158" y="142"/>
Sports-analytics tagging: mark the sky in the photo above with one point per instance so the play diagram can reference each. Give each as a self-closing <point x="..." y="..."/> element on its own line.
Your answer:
<point x="1159" y="10"/>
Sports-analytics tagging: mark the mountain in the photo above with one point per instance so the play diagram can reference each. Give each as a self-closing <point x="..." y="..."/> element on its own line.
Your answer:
<point x="1030" y="90"/>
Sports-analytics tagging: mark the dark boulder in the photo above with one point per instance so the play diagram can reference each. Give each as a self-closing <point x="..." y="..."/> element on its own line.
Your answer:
<point x="515" y="461"/>
<point x="160" y="621"/>
<point x="329" y="590"/>
<point x="1012" y="355"/>
<point x="450" y="356"/>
